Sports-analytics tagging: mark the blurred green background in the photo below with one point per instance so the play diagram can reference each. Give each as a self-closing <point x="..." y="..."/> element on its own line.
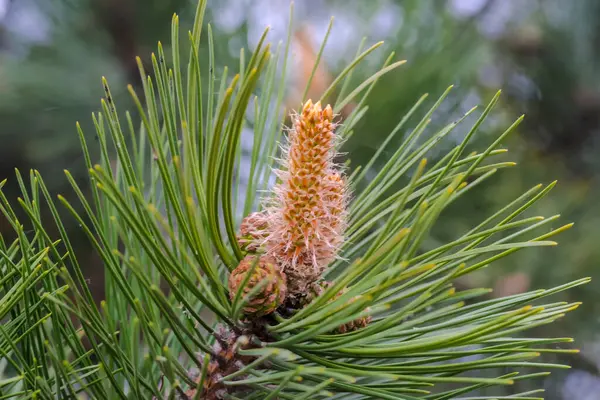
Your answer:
<point x="544" y="55"/>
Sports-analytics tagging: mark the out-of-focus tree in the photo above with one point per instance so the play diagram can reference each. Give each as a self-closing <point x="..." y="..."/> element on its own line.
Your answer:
<point x="548" y="64"/>
<point x="550" y="69"/>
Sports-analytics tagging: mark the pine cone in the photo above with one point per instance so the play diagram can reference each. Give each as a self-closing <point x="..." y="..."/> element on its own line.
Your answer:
<point x="352" y="325"/>
<point x="355" y="325"/>
<point x="272" y="294"/>
<point x="315" y="290"/>
<point x="253" y="232"/>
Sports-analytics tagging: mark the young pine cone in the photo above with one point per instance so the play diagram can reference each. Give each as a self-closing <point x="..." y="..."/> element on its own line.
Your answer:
<point x="316" y="290"/>
<point x="272" y="293"/>
<point x="253" y="232"/>
<point x="354" y="325"/>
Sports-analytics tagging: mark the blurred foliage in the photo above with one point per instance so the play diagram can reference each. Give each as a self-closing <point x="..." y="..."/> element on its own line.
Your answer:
<point x="550" y="69"/>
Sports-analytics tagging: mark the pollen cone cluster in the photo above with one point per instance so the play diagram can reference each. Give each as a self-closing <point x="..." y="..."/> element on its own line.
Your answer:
<point x="299" y="232"/>
<point x="307" y="216"/>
